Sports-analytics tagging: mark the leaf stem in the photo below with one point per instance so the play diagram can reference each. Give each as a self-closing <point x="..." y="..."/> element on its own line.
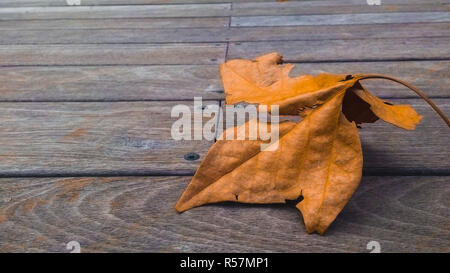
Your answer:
<point x="412" y="87"/>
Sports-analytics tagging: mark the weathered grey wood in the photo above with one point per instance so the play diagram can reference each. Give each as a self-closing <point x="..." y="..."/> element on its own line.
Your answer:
<point x="432" y="77"/>
<point x="336" y="7"/>
<point x="347" y="50"/>
<point x="219" y="34"/>
<point x="41" y="3"/>
<point x="134" y="138"/>
<point x="341" y="19"/>
<point x="110" y="83"/>
<point x="183" y="82"/>
<point x="85" y="12"/>
<point x="364" y="2"/>
<point x="93" y="138"/>
<point x="255" y="7"/>
<point x="128" y="23"/>
<point x="112" y="54"/>
<point x="394" y="14"/>
<point x="135" y="214"/>
<point x="388" y="149"/>
<point x="104" y="139"/>
<point x="298" y="33"/>
<point x="45" y="3"/>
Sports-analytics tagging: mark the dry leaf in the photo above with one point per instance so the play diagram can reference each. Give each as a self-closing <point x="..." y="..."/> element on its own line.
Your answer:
<point x="319" y="158"/>
<point x="316" y="157"/>
<point x="402" y="116"/>
<point x="266" y="81"/>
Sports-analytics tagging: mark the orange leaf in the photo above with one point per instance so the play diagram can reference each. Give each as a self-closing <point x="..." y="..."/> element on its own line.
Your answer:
<point x="319" y="158"/>
<point x="320" y="154"/>
<point x="266" y="81"/>
<point x="403" y="116"/>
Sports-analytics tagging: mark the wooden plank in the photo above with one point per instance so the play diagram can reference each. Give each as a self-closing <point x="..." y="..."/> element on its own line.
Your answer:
<point x="347" y="50"/>
<point x="202" y="35"/>
<point x="93" y="138"/>
<point x="108" y="36"/>
<point x="85" y="12"/>
<point x="301" y="33"/>
<point x="134" y="138"/>
<point x="110" y="83"/>
<point x="42" y="3"/>
<point x="304" y="8"/>
<point x="112" y="54"/>
<point x="50" y="3"/>
<point x="341" y="19"/>
<point x="388" y="149"/>
<point x="396" y="13"/>
<point x="135" y="214"/>
<point x="129" y="23"/>
<point x="364" y="2"/>
<point x="432" y="77"/>
<point x="183" y="82"/>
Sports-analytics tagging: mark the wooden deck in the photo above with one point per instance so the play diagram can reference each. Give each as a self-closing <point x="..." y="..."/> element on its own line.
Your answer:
<point x="85" y="98"/>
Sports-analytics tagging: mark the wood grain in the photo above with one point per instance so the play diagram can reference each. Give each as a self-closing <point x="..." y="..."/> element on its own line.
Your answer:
<point x="135" y="214"/>
<point x="432" y="77"/>
<point x="337" y="7"/>
<point x="184" y="82"/>
<point x="341" y="19"/>
<point x="85" y="146"/>
<point x="94" y="138"/>
<point x="44" y="3"/>
<point x="70" y="35"/>
<point x="53" y="10"/>
<point x="125" y="138"/>
<point x="86" y="12"/>
<point x="389" y="150"/>
<point x="128" y="23"/>
<point x="112" y="54"/>
<point x="318" y="32"/>
<point x="347" y="50"/>
<point x="50" y="3"/>
<point x="110" y="83"/>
